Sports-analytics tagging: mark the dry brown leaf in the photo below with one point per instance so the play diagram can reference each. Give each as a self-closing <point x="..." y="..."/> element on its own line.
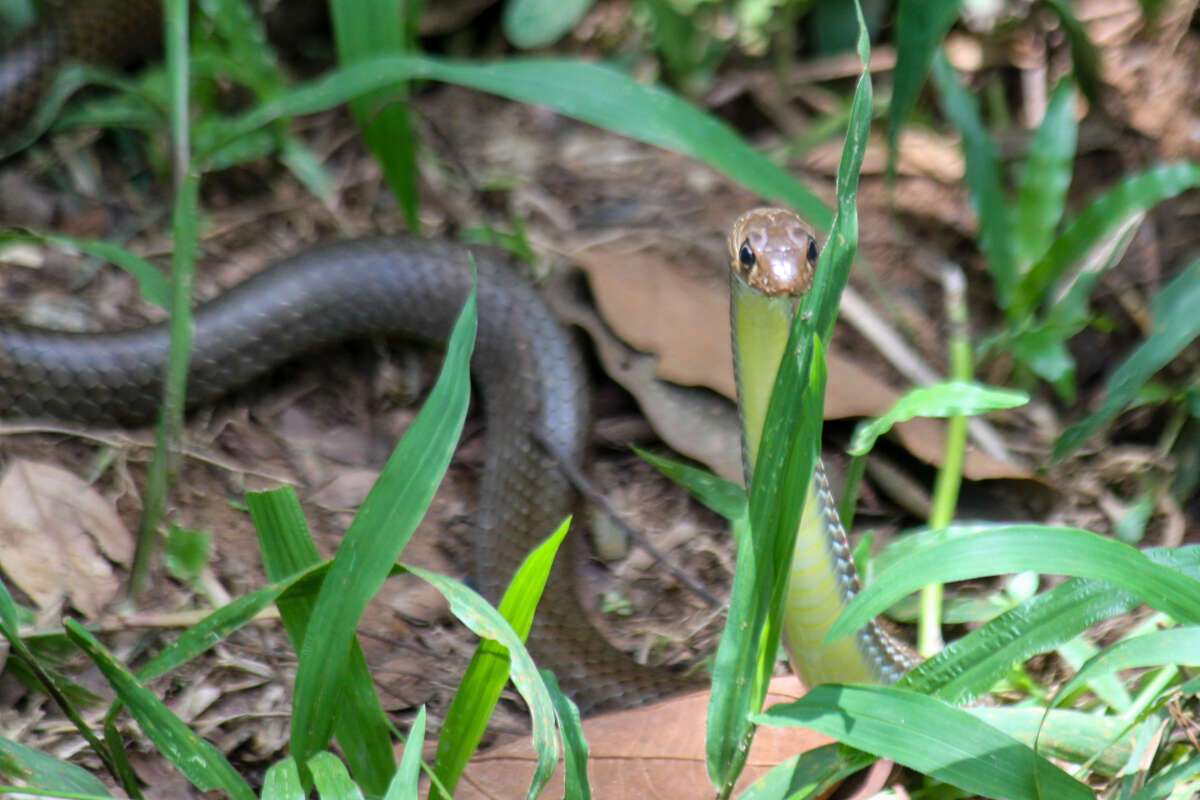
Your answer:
<point x="657" y="307"/>
<point x="656" y="752"/>
<point x="920" y="152"/>
<point x="59" y="537"/>
<point x="347" y="489"/>
<point x="691" y="420"/>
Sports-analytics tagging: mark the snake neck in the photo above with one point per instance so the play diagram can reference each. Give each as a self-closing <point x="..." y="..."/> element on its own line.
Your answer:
<point x="823" y="579"/>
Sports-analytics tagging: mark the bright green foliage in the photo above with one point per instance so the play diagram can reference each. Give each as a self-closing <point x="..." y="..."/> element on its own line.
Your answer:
<point x="536" y="23"/>
<point x="1043" y="276"/>
<point x="488" y="671"/>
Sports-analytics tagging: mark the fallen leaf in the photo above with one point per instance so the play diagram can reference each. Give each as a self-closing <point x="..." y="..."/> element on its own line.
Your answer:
<point x="59" y="537"/>
<point x="676" y="320"/>
<point x="691" y="420"/>
<point x="655" y="752"/>
<point x="346" y="490"/>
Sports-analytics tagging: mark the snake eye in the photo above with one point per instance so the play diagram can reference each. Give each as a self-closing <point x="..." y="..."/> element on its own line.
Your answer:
<point x="812" y="251"/>
<point x="746" y="255"/>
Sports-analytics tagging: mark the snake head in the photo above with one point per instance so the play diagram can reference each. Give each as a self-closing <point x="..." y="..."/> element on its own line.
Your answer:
<point x="774" y="251"/>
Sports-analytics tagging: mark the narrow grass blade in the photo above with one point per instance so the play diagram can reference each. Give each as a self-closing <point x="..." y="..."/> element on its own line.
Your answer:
<point x="199" y="761"/>
<point x="243" y="37"/>
<point x="722" y="496"/>
<point x="1170" y="779"/>
<point x="1003" y="549"/>
<point x="946" y="399"/>
<point x="47" y="772"/>
<point x="375" y="538"/>
<point x="289" y="555"/>
<point x="364" y="29"/>
<point x="592" y="93"/>
<point x="1160" y="648"/>
<point x="1135" y="194"/>
<point x="1085" y="58"/>
<point x="1075" y="736"/>
<point x="1176" y="325"/>
<point x="969" y="666"/>
<point x="1045" y="176"/>
<point x="929" y="736"/>
<point x="212" y="629"/>
<point x="169" y="430"/>
<point x="152" y="285"/>
<point x="405" y="782"/>
<point x="811" y="774"/>
<point x="790" y="440"/>
<point x="331" y="778"/>
<point x="282" y="781"/>
<point x="983" y="179"/>
<point x="176" y="57"/>
<point x="575" y="748"/>
<point x="920" y="27"/>
<point x="486" y="675"/>
<point x="484" y="621"/>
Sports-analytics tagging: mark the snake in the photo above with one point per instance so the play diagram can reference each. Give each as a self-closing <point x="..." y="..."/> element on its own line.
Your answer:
<point x="527" y="367"/>
<point x="773" y="256"/>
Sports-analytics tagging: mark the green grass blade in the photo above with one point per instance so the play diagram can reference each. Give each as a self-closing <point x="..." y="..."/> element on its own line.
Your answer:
<point x="47" y="772"/>
<point x="282" y="781"/>
<point x="920" y="27"/>
<point x="1135" y="194"/>
<point x="969" y="666"/>
<point x="486" y="675"/>
<point x="405" y="782"/>
<point x="169" y="428"/>
<point x="375" y="538"/>
<point x="724" y="497"/>
<point x="286" y="544"/>
<point x="362" y="727"/>
<point x="1045" y="176"/>
<point x="365" y="29"/>
<point x="984" y="184"/>
<point x="593" y="93"/>
<point x="790" y="442"/>
<point x="251" y="59"/>
<point x="484" y="621"/>
<point x="1160" y="648"/>
<point x="199" y="761"/>
<point x="1075" y="736"/>
<point x="946" y="399"/>
<point x="212" y="629"/>
<point x="811" y="774"/>
<point x="1176" y="325"/>
<point x="1085" y="58"/>
<point x="152" y="285"/>
<point x="931" y="737"/>
<point x="575" y="748"/>
<point x="331" y="778"/>
<point x="1001" y="549"/>
<point x="1170" y="779"/>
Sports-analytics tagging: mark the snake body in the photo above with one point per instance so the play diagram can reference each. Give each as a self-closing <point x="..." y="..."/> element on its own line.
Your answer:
<point x="527" y="367"/>
<point x="773" y="257"/>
